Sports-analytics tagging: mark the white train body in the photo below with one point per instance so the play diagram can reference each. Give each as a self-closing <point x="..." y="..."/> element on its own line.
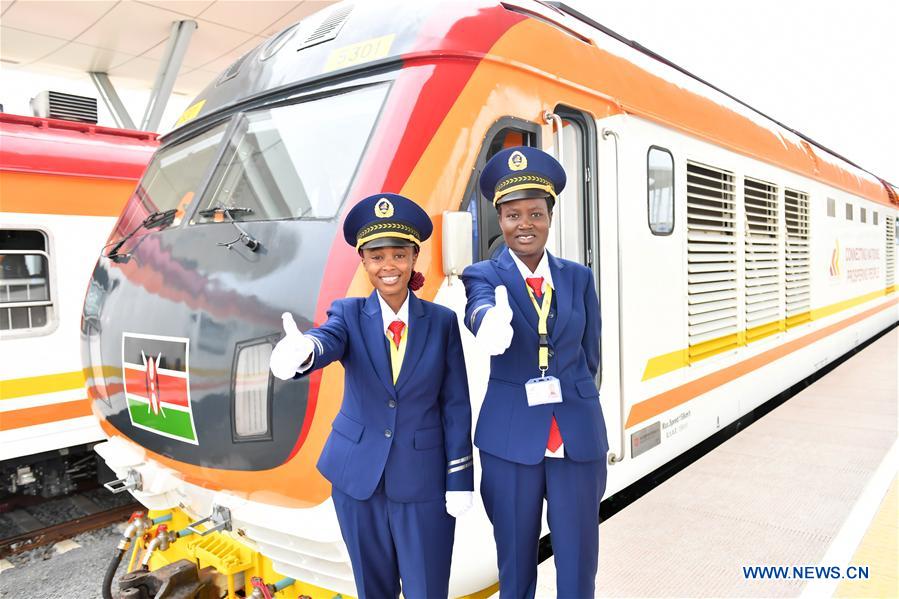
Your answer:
<point x="63" y="185"/>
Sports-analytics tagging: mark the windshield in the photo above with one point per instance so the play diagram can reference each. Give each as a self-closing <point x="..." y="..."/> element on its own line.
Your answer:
<point x="170" y="180"/>
<point x="293" y="161"/>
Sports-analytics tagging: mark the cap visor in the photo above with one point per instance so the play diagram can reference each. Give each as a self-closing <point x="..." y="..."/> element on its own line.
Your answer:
<point x="524" y="194"/>
<point x="387" y="242"/>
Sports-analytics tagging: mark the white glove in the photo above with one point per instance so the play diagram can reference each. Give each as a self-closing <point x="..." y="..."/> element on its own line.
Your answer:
<point x="458" y="502"/>
<point x="495" y="333"/>
<point x="294" y="350"/>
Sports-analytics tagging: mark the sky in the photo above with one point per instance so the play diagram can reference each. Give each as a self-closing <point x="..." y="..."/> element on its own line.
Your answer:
<point x="829" y="69"/>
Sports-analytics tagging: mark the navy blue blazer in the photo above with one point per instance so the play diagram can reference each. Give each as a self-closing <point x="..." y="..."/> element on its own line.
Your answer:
<point x="507" y="427"/>
<point x="417" y="433"/>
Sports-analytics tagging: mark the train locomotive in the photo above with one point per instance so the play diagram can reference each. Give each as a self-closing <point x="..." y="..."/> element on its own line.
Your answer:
<point x="732" y="255"/>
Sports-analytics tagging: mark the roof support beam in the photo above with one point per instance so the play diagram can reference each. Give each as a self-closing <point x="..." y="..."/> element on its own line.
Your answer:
<point x="112" y="100"/>
<point x="168" y="71"/>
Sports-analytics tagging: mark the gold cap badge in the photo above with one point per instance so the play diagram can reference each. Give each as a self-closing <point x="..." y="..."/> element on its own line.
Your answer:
<point x="383" y="208"/>
<point x="517" y="161"/>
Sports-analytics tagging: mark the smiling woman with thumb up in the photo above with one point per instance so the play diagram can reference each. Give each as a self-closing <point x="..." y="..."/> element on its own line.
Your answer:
<point x="540" y="431"/>
<point x="399" y="453"/>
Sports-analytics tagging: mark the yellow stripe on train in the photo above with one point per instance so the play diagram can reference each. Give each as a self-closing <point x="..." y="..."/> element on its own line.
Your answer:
<point x="38" y="385"/>
<point x="665" y="363"/>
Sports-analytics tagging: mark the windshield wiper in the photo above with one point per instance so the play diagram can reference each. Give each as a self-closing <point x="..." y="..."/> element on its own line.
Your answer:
<point x="229" y="211"/>
<point x="153" y="220"/>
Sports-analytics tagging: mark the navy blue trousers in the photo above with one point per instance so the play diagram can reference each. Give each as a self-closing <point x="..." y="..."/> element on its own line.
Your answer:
<point x="389" y="541"/>
<point x="513" y="497"/>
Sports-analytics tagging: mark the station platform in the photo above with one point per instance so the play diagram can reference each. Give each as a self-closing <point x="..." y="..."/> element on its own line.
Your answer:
<point x="812" y="483"/>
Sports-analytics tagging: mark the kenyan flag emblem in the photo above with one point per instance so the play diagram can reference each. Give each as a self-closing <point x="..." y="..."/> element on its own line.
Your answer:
<point x="156" y="374"/>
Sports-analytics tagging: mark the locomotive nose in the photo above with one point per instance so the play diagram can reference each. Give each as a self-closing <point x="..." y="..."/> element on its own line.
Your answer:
<point x="231" y="226"/>
<point x="177" y="343"/>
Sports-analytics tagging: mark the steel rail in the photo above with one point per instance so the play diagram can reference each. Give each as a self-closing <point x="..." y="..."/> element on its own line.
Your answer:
<point x="57" y="532"/>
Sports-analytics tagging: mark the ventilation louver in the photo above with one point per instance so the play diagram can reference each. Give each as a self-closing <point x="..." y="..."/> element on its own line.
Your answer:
<point x="328" y="28"/>
<point x="890" y="222"/>
<point x="762" y="259"/>
<point x="711" y="261"/>
<point x="68" y="107"/>
<point x="798" y="268"/>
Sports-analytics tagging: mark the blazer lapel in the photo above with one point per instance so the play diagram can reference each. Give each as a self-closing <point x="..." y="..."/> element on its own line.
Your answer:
<point x="561" y="293"/>
<point x="419" y="324"/>
<point x="373" y="334"/>
<point x="515" y="285"/>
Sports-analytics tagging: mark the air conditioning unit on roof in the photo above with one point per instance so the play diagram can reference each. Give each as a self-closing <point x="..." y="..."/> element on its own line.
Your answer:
<point x="68" y="107"/>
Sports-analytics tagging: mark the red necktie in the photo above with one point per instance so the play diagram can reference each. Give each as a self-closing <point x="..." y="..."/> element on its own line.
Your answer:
<point x="555" y="436"/>
<point x="536" y="283"/>
<point x="396" y="331"/>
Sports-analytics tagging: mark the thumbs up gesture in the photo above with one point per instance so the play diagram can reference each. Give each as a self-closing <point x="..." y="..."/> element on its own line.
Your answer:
<point x="502" y="303"/>
<point x="495" y="333"/>
<point x="292" y="352"/>
<point x="290" y="325"/>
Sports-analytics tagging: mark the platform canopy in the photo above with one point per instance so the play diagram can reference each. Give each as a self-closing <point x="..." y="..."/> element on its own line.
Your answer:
<point x="170" y="46"/>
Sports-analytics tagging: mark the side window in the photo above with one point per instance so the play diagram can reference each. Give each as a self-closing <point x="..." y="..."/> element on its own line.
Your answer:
<point x="488" y="238"/>
<point x="25" y="300"/>
<point x="660" y="190"/>
<point x="570" y="212"/>
<point x="848" y="211"/>
<point x="831" y="207"/>
<point x="574" y="233"/>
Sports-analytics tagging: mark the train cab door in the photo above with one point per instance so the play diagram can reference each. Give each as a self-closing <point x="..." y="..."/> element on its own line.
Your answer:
<point x="575" y="235"/>
<point x="487" y="238"/>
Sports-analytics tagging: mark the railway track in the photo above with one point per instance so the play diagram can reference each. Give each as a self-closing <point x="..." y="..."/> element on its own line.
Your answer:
<point x="36" y="531"/>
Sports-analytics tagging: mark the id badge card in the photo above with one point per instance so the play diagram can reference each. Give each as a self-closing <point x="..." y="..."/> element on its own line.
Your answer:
<point x="543" y="390"/>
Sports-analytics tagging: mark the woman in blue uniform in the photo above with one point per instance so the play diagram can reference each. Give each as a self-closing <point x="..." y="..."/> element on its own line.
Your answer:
<point x="540" y="431"/>
<point x="399" y="454"/>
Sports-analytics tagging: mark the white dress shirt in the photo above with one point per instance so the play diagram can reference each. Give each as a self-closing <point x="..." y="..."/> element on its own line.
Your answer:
<point x="388" y="315"/>
<point x="542" y="270"/>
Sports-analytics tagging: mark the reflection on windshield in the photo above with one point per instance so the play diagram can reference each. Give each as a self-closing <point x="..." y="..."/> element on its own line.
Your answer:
<point x="295" y="161"/>
<point x="171" y="180"/>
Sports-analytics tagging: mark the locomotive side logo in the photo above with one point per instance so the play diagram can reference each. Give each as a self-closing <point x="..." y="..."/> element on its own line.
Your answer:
<point x="835" y="269"/>
<point x="157" y="385"/>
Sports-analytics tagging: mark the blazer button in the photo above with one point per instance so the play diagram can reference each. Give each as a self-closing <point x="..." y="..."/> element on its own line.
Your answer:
<point x="391" y="404"/>
<point x="551" y="314"/>
<point x="388" y="433"/>
<point x="551" y="353"/>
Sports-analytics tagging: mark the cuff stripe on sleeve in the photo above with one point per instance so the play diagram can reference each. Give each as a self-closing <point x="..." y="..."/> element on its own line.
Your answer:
<point x="475" y="313"/>
<point x="458" y="468"/>
<point x="318" y="344"/>
<point x="459" y="461"/>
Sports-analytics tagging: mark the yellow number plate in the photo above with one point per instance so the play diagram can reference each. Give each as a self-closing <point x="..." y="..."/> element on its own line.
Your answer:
<point x="191" y="112"/>
<point x="362" y="52"/>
